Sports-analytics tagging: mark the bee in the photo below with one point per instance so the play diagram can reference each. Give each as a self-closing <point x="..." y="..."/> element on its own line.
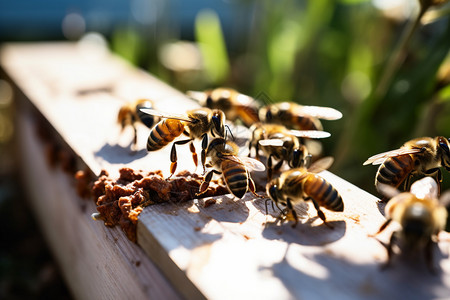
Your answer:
<point x="421" y="156"/>
<point x="303" y="184"/>
<point x="131" y="114"/>
<point x="296" y="116"/>
<point x="234" y="169"/>
<point x="195" y="125"/>
<point x="420" y="214"/>
<point x="278" y="142"/>
<point x="234" y="104"/>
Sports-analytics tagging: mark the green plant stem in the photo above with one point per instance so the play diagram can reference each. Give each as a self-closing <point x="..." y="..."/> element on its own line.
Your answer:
<point x="398" y="55"/>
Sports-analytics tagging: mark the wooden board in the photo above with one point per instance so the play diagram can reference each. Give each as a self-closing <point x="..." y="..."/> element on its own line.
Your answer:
<point x="230" y="249"/>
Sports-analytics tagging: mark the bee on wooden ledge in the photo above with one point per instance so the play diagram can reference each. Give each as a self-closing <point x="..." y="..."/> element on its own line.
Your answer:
<point x="195" y="124"/>
<point x="278" y="142"/>
<point x="303" y="184"/>
<point x="421" y="156"/>
<point x="235" y="170"/>
<point x="130" y="114"/>
<point x="421" y="215"/>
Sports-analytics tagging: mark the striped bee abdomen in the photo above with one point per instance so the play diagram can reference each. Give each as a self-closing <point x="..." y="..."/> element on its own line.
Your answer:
<point x="394" y="170"/>
<point x="236" y="177"/>
<point x="163" y="133"/>
<point x="323" y="192"/>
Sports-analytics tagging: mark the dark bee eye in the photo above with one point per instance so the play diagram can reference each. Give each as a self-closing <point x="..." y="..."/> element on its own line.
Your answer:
<point x="444" y="146"/>
<point x="273" y="192"/>
<point x="269" y="115"/>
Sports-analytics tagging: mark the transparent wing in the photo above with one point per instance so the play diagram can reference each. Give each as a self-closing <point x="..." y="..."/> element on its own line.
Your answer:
<point x="379" y="158"/>
<point x="271" y="142"/>
<point x="165" y="115"/>
<point x="314" y="134"/>
<point x="387" y="190"/>
<point x="321" y="164"/>
<point x="251" y="163"/>
<point x="326" y="113"/>
<point x="425" y="188"/>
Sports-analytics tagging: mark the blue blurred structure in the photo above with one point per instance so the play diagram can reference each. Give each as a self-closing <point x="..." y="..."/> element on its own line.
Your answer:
<point x="44" y="19"/>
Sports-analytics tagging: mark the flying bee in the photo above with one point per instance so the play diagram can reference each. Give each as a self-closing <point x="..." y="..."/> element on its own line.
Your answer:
<point x="195" y="124"/>
<point x="234" y="169"/>
<point x="278" y="142"/>
<point x="234" y="104"/>
<point x="303" y="184"/>
<point x="131" y="114"/>
<point x="420" y="214"/>
<point x="421" y="156"/>
<point x="296" y="116"/>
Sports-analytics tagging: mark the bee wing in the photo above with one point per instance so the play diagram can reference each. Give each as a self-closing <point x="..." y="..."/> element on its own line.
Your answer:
<point x="165" y="114"/>
<point x="271" y="142"/>
<point x="197" y="96"/>
<point x="314" y="134"/>
<point x="379" y="158"/>
<point x="326" y="113"/>
<point x="425" y="188"/>
<point x="251" y="163"/>
<point x="321" y="164"/>
<point x="387" y="190"/>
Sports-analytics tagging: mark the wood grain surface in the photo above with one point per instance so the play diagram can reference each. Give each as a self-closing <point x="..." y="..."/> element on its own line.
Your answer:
<point x="229" y="250"/>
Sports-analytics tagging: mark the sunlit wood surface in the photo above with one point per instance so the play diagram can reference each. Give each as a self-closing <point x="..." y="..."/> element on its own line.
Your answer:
<point x="229" y="250"/>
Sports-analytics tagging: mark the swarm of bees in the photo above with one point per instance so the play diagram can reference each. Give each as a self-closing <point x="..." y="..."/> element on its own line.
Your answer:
<point x="421" y="215"/>
<point x="278" y="142"/>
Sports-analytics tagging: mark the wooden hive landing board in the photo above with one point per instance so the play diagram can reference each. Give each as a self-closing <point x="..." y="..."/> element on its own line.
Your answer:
<point x="227" y="250"/>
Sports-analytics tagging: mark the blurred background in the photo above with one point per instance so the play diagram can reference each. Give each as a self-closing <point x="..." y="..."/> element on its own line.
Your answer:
<point x="384" y="64"/>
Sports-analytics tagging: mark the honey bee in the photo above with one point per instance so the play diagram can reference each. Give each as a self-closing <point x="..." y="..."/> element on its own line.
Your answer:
<point x="278" y="142"/>
<point x="303" y="184"/>
<point x="296" y="116"/>
<point x="421" y="156"/>
<point x="234" y="169"/>
<point x="234" y="104"/>
<point x="195" y="124"/>
<point x="420" y="215"/>
<point x="130" y="114"/>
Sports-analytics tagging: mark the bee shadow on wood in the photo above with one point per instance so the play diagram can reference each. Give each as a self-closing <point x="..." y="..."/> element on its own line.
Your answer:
<point x="227" y="209"/>
<point x="117" y="154"/>
<point x="309" y="231"/>
<point x="355" y="280"/>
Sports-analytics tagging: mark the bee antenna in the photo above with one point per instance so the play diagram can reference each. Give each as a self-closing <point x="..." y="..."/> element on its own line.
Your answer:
<point x="232" y="136"/>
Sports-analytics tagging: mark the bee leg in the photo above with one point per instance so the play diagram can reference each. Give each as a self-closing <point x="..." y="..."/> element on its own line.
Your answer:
<point x="269" y="168"/>
<point x="134" y="139"/>
<point x="382" y="227"/>
<point x="173" y="156"/>
<point x="390" y="251"/>
<point x="205" y="184"/>
<point x="291" y="210"/>
<point x="252" y="188"/>
<point x="320" y="212"/>
<point x="203" y="153"/>
<point x="194" y="154"/>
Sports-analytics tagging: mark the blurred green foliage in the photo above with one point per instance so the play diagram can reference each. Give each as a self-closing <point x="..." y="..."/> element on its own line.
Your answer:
<point x="328" y="53"/>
